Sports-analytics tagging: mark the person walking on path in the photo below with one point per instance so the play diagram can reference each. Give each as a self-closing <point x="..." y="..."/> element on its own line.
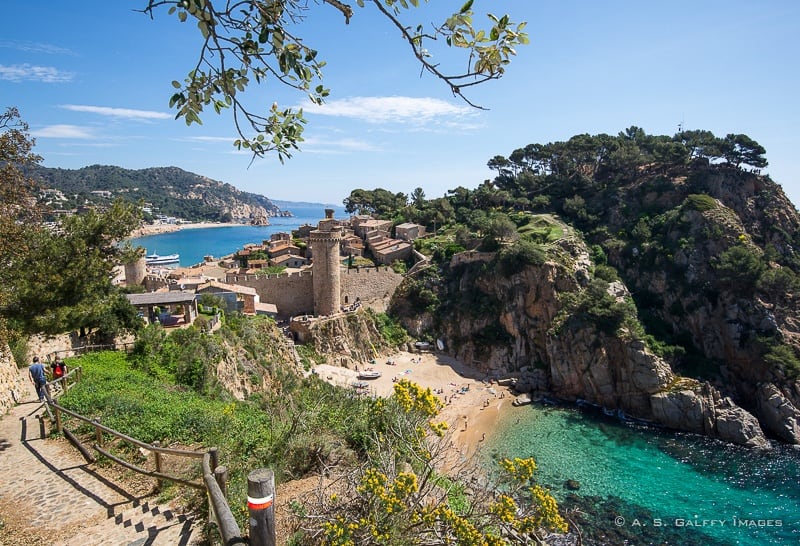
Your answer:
<point x="59" y="368"/>
<point x="38" y="378"/>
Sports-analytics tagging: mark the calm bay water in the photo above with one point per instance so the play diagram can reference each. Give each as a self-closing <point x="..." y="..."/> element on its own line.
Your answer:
<point x="194" y="244"/>
<point x="640" y="485"/>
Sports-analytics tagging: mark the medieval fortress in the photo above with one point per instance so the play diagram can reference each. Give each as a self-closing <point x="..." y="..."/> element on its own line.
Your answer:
<point x="325" y="288"/>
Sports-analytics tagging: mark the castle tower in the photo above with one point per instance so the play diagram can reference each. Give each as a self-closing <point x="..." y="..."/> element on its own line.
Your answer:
<point x="325" y="243"/>
<point x="135" y="272"/>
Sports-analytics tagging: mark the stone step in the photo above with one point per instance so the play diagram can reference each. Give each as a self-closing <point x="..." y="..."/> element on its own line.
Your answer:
<point x="142" y="523"/>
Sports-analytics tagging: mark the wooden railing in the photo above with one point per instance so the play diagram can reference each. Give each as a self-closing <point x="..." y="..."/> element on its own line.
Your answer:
<point x="214" y="475"/>
<point x="82" y="349"/>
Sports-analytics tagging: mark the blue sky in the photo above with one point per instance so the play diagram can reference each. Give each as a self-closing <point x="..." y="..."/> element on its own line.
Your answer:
<point x="92" y="79"/>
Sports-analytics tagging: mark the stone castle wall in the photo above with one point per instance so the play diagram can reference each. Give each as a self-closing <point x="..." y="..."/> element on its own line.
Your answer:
<point x="293" y="293"/>
<point x="369" y="285"/>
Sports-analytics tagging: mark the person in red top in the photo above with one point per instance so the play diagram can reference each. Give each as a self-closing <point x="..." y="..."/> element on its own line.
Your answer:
<point x="59" y="368"/>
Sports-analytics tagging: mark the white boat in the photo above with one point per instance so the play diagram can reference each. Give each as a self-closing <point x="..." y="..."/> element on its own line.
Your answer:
<point x="369" y="374"/>
<point x="155" y="259"/>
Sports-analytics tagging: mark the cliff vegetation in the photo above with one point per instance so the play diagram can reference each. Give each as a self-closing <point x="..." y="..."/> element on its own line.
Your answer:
<point x="649" y="273"/>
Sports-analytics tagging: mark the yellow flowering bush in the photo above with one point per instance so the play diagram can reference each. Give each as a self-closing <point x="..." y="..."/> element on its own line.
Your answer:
<point x="400" y="498"/>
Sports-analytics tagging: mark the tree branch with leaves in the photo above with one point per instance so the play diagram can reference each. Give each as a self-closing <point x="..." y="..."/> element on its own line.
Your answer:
<point x="254" y="41"/>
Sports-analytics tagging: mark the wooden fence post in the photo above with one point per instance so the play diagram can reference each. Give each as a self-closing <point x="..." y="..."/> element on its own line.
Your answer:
<point x="260" y="504"/>
<point x="57" y="411"/>
<point x="42" y="426"/>
<point x="221" y="476"/>
<point x="98" y="434"/>
<point x="158" y="463"/>
<point x="214" y="458"/>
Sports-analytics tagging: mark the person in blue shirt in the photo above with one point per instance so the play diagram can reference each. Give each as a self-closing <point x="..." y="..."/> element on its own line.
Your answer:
<point x="38" y="378"/>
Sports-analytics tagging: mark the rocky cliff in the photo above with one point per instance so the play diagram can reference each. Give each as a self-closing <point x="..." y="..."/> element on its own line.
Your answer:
<point x="533" y="324"/>
<point x="668" y="289"/>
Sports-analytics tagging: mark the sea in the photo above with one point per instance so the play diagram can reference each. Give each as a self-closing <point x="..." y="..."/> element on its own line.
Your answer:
<point x="638" y="484"/>
<point x="194" y="244"/>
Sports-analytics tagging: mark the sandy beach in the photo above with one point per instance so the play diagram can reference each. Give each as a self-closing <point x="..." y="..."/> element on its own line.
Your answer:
<point x="157" y="229"/>
<point x="472" y="405"/>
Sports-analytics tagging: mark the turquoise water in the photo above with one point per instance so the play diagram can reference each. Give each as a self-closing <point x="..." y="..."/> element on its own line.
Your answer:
<point x="640" y="485"/>
<point x="194" y="244"/>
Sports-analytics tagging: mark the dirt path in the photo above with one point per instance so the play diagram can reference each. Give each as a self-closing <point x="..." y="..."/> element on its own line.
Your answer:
<point x="50" y="495"/>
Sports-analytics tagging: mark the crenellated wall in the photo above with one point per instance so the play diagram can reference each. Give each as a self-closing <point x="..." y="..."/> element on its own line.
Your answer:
<point x="368" y="285"/>
<point x="293" y="293"/>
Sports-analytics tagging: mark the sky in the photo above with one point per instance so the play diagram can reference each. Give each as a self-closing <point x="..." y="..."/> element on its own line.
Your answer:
<point x="92" y="78"/>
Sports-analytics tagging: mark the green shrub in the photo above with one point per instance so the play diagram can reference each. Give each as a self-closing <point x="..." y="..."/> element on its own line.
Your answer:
<point x="740" y="267"/>
<point x="391" y="331"/>
<point x="606" y="272"/>
<point x="783" y="357"/>
<point x="700" y="202"/>
<point x="19" y="350"/>
<point x="517" y="256"/>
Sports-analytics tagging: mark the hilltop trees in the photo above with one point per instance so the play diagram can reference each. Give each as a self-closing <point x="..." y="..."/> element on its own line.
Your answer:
<point x="260" y="41"/>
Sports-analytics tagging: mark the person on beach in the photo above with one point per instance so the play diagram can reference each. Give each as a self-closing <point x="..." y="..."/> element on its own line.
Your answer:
<point x="37" y="376"/>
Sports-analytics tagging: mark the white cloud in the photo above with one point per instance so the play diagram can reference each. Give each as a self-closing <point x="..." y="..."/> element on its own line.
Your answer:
<point x="35" y="47"/>
<point x="337" y="146"/>
<point x="390" y="109"/>
<point x="29" y="72"/>
<point x="210" y="139"/>
<point x="63" y="131"/>
<point x="127" y="113"/>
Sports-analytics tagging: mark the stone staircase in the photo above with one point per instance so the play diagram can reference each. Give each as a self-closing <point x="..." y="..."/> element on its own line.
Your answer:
<point x="139" y="524"/>
<point x="50" y="495"/>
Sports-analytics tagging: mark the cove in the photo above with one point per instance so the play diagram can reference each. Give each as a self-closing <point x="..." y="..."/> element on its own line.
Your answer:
<point x="194" y="244"/>
<point x="643" y="485"/>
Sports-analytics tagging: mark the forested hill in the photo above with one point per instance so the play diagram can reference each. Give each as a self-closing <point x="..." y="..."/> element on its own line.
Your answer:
<point x="657" y="274"/>
<point x="171" y="191"/>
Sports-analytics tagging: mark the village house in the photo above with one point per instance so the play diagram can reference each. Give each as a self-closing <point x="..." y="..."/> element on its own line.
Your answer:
<point x="289" y="260"/>
<point x="390" y="250"/>
<point x="236" y="297"/>
<point x="408" y="231"/>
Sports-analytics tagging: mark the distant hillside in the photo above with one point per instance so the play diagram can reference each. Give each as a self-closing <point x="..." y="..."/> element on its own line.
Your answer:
<point x="168" y="190"/>
<point x="288" y="205"/>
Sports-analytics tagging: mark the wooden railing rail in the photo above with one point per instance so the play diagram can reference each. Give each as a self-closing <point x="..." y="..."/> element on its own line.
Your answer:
<point x="75" y="351"/>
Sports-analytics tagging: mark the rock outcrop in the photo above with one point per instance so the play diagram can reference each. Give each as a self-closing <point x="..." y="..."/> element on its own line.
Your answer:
<point x="701" y="409"/>
<point x="777" y="413"/>
<point x="608" y="371"/>
<point x="11" y="380"/>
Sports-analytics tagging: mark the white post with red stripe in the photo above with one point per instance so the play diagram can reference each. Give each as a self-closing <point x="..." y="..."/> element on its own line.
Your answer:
<point x="260" y="504"/>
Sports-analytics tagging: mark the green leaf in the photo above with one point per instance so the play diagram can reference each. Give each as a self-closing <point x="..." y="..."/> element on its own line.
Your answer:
<point x="176" y="84"/>
<point x="466" y="7"/>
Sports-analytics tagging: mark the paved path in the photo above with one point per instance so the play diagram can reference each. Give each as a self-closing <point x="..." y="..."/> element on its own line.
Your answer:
<point x="46" y="485"/>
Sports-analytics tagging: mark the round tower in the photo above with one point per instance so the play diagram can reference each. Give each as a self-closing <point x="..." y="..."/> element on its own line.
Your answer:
<point x="135" y="272"/>
<point x="325" y="243"/>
